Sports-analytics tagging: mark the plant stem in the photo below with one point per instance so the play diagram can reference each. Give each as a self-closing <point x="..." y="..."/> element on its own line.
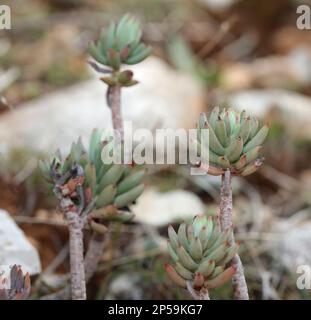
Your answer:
<point x="197" y="295"/>
<point x="96" y="245"/>
<point x="114" y="102"/>
<point x="97" y="242"/>
<point x="78" y="287"/>
<point x="91" y="261"/>
<point x="238" y="280"/>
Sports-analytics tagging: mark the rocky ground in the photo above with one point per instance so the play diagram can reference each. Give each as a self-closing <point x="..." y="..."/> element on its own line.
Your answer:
<point x="205" y="53"/>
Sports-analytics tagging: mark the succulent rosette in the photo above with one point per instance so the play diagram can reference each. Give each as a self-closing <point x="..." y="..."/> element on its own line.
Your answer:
<point x="91" y="184"/>
<point x="235" y="141"/>
<point x="201" y="254"/>
<point x="120" y="44"/>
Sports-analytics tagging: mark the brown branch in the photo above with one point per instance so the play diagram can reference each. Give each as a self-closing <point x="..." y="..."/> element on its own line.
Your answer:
<point x="20" y="219"/>
<point x="62" y="294"/>
<point x="77" y="273"/>
<point x="223" y="30"/>
<point x="238" y="280"/>
<point x="94" y="254"/>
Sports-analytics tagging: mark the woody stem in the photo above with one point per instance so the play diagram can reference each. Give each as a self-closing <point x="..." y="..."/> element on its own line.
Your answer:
<point x="77" y="273"/>
<point x="238" y="279"/>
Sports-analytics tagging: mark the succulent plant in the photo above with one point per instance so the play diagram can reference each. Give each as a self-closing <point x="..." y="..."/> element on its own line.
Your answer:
<point x="91" y="184"/>
<point x="120" y="45"/>
<point x="19" y="285"/>
<point x="201" y="254"/>
<point x="90" y="190"/>
<point x="235" y="141"/>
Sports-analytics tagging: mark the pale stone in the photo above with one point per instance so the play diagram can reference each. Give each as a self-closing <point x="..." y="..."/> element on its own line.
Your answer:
<point x="293" y="245"/>
<point x="217" y="5"/>
<point x="291" y="70"/>
<point x="294" y="109"/>
<point x="15" y="248"/>
<point x="159" y="209"/>
<point x="164" y="98"/>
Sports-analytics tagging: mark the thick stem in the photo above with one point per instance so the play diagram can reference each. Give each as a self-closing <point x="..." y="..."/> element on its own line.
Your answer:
<point x="114" y="101"/>
<point x="197" y="295"/>
<point x="77" y="273"/>
<point x="238" y="279"/>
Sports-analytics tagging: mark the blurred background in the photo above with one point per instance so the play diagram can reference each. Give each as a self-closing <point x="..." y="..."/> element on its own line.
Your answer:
<point x="246" y="54"/>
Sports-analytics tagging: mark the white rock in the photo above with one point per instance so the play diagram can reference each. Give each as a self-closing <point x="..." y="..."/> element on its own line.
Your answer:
<point x="164" y="98"/>
<point x="217" y="5"/>
<point x="158" y="209"/>
<point x="8" y="77"/>
<point x="293" y="246"/>
<point x="295" y="109"/>
<point x="300" y="59"/>
<point x="15" y="248"/>
<point x="276" y="71"/>
<point x="125" y="286"/>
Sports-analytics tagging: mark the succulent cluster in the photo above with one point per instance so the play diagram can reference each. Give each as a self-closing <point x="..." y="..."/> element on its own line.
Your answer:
<point x="235" y="141"/>
<point x="89" y="183"/>
<point x="19" y="285"/>
<point x="201" y="253"/>
<point x="120" y="45"/>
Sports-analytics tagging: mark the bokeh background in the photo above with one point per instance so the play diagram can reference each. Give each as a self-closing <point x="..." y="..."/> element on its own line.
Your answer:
<point x="246" y="54"/>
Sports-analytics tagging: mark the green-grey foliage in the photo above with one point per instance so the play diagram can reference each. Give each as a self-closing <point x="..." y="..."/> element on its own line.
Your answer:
<point x="201" y="254"/>
<point x="121" y="43"/>
<point x="235" y="141"/>
<point x="91" y="184"/>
